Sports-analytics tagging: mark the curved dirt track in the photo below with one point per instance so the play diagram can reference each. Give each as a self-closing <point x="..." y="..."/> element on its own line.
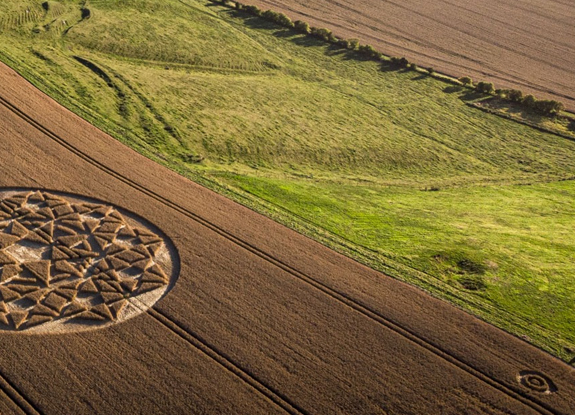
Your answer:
<point x="261" y="320"/>
<point x="525" y="44"/>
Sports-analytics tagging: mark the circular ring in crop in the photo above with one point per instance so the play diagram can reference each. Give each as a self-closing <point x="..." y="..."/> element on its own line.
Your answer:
<point x="69" y="263"/>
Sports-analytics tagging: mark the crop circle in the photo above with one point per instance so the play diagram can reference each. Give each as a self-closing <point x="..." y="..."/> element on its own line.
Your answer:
<point x="69" y="263"/>
<point x="537" y="382"/>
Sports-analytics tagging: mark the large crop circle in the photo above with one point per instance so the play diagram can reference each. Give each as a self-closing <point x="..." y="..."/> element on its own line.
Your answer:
<point x="69" y="263"/>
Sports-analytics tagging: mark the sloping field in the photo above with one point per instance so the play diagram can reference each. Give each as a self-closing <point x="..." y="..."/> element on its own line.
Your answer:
<point x="526" y="44"/>
<point x="257" y="319"/>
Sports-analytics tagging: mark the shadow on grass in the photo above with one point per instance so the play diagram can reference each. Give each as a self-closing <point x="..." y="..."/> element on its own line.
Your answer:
<point x="453" y="89"/>
<point x="299" y="39"/>
<point x="518" y="110"/>
<point x="471" y="95"/>
<point x="419" y="77"/>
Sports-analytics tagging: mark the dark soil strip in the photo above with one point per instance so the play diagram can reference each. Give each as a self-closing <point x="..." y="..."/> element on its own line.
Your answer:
<point x="511" y="391"/>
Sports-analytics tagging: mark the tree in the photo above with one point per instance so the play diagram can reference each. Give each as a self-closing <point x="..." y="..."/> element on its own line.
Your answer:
<point x="353" y="44"/>
<point x="515" y="95"/>
<point x="285" y="21"/>
<point x="485" y="87"/>
<point x="302" y="27"/>
<point x="549" y="107"/>
<point x="400" y="62"/>
<point x="324" y="34"/>
<point x="253" y="10"/>
<point x="465" y="80"/>
<point x="369" y="52"/>
<point x="529" y="101"/>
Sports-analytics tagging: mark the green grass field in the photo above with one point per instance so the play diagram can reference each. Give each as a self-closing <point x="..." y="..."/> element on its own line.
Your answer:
<point x="390" y="167"/>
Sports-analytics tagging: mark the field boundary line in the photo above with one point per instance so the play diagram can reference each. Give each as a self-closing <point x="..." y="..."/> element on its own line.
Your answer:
<point x="513" y="392"/>
<point x="19" y="399"/>
<point x="196" y="341"/>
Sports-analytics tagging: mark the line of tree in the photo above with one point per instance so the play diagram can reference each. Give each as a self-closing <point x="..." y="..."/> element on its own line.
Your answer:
<point x="547" y="107"/>
<point x="543" y="106"/>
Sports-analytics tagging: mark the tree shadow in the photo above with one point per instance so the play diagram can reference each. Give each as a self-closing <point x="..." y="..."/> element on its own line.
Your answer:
<point x="452" y="89"/>
<point x="419" y="77"/>
<point x="471" y="95"/>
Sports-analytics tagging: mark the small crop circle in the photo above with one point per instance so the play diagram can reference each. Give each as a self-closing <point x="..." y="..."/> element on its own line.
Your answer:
<point x="69" y="263"/>
<point x="537" y="382"/>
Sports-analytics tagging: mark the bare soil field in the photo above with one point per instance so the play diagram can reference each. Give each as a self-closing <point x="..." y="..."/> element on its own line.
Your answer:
<point x="526" y="44"/>
<point x="257" y="319"/>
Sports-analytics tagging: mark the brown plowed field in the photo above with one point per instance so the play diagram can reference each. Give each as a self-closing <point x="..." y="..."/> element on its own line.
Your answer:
<point x="261" y="320"/>
<point x="525" y="44"/>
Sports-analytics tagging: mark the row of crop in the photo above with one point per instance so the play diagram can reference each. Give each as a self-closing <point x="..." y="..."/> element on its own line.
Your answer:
<point x="546" y="107"/>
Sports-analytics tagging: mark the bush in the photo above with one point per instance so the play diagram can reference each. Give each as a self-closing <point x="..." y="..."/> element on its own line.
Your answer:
<point x="548" y="107"/>
<point x="400" y="62"/>
<point x="270" y="15"/>
<point x="353" y="44"/>
<point x="485" y="87"/>
<point x="465" y="80"/>
<point x="255" y="10"/>
<point x="502" y="93"/>
<point x="344" y="43"/>
<point x="529" y="101"/>
<point x="278" y="18"/>
<point x="369" y="52"/>
<point x="323" y="34"/>
<point x="284" y="21"/>
<point x="430" y="70"/>
<point x="515" y="95"/>
<point x="302" y="27"/>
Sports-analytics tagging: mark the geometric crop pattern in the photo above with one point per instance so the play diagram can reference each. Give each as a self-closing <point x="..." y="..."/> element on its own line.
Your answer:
<point x="68" y="263"/>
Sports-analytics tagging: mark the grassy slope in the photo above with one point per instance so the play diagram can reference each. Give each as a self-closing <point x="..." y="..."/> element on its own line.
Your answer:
<point x="332" y="146"/>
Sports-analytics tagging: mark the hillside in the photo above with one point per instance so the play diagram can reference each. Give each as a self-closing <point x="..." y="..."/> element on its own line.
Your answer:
<point x="391" y="167"/>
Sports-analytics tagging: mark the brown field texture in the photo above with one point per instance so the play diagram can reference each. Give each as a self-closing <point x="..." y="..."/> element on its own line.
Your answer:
<point x="258" y="320"/>
<point x="525" y="44"/>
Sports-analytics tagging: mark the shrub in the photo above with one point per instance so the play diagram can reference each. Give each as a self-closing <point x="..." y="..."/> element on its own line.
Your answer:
<point x="547" y="106"/>
<point x="86" y="14"/>
<point x="321" y="33"/>
<point x="465" y="80"/>
<point x="529" y="101"/>
<point x="255" y="10"/>
<point x="302" y="27"/>
<point x="502" y="93"/>
<point x="485" y="87"/>
<point x="239" y="6"/>
<point x="369" y="52"/>
<point x="270" y="15"/>
<point x="353" y="44"/>
<point x="400" y="62"/>
<point x="284" y="20"/>
<point x="515" y="95"/>
<point x="344" y="43"/>
<point x="278" y="18"/>
<point x="430" y="70"/>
